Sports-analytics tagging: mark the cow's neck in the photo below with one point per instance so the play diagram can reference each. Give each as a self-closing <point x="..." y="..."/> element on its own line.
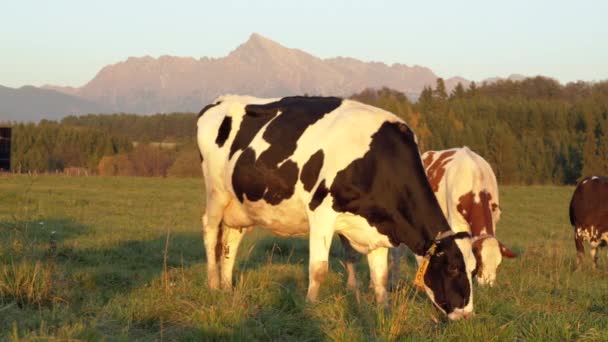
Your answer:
<point x="422" y="236"/>
<point x="421" y="218"/>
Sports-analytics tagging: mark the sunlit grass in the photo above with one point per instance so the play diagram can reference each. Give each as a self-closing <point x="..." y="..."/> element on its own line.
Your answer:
<point x="122" y="259"/>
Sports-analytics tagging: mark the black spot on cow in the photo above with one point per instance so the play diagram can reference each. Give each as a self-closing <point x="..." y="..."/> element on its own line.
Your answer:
<point x="224" y="131"/>
<point x="206" y="108"/>
<point x="297" y="114"/>
<point x="311" y="169"/>
<point x="318" y="196"/>
<point x="247" y="179"/>
<point x="253" y="179"/>
<point x="287" y="120"/>
<point x="280" y="183"/>
<point x="254" y="119"/>
<point x="388" y="187"/>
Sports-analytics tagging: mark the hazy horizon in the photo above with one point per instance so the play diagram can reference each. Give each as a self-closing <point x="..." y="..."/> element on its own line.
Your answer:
<point x="67" y="42"/>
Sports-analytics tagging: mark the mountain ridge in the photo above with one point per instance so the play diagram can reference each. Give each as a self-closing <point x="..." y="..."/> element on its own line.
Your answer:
<point x="259" y="67"/>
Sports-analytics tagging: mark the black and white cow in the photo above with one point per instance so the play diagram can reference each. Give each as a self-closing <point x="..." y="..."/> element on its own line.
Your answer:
<point x="589" y="215"/>
<point x="319" y="166"/>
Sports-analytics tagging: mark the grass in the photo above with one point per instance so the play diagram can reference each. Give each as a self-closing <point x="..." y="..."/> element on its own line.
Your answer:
<point x="96" y="258"/>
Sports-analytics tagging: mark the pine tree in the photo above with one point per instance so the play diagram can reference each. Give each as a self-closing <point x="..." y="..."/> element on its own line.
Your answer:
<point x="440" y="91"/>
<point x="458" y="92"/>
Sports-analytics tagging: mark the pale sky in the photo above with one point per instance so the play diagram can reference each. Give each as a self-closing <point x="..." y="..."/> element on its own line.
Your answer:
<point x="66" y="42"/>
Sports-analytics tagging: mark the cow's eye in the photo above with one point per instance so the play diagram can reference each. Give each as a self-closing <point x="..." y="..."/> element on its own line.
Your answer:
<point x="453" y="270"/>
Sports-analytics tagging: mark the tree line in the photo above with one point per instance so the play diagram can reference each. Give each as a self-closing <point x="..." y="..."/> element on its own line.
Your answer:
<point x="173" y="127"/>
<point x="534" y="131"/>
<point x="50" y="146"/>
<point x="109" y="145"/>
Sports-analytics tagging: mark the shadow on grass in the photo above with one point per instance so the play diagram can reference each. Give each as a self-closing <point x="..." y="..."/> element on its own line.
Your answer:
<point x="28" y="238"/>
<point x="92" y="277"/>
<point x="293" y="250"/>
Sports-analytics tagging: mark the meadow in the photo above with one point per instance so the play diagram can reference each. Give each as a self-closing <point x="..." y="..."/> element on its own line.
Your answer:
<point x="122" y="258"/>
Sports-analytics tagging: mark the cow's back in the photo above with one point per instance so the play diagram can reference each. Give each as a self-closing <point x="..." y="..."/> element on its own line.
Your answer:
<point x="490" y="184"/>
<point x="272" y="162"/>
<point x="466" y="189"/>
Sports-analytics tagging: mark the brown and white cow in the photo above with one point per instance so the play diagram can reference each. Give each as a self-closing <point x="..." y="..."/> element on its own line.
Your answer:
<point x="589" y="215"/>
<point x="466" y="189"/>
<point x="318" y="166"/>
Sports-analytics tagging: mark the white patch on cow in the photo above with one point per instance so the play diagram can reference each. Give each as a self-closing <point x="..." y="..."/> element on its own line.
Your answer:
<point x="477" y="198"/>
<point x="363" y="237"/>
<point x="589" y="234"/>
<point x="491" y="259"/>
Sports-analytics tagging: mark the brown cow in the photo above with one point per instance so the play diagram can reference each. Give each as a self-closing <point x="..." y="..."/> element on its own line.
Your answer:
<point x="589" y="215"/>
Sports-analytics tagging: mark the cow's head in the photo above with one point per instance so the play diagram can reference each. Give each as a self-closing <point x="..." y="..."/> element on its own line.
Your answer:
<point x="488" y="254"/>
<point x="447" y="280"/>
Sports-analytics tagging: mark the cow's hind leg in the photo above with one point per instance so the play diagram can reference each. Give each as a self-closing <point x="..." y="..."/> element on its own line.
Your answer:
<point x="378" y="268"/>
<point x="593" y="253"/>
<point x="212" y="236"/>
<point x="351" y="256"/>
<point x="231" y="239"/>
<point x="580" y="248"/>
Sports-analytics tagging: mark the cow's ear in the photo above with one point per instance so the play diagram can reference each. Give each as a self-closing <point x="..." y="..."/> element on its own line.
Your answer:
<point x="507" y="253"/>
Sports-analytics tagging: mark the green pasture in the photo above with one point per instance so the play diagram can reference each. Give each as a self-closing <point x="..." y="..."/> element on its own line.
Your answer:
<point x="94" y="258"/>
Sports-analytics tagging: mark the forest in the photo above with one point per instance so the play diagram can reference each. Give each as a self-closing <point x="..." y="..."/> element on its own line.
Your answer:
<point x="534" y="131"/>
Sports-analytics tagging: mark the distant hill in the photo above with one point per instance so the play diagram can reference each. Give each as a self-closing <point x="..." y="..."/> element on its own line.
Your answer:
<point x="32" y="104"/>
<point x="259" y="67"/>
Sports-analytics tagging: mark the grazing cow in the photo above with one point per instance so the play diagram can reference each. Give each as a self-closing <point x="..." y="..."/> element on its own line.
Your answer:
<point x="467" y="192"/>
<point x="466" y="189"/>
<point x="589" y="215"/>
<point x="319" y="166"/>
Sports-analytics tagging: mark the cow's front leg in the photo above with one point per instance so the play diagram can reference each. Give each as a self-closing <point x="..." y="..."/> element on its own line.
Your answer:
<point x="378" y="268"/>
<point x="231" y="239"/>
<point x="320" y="243"/>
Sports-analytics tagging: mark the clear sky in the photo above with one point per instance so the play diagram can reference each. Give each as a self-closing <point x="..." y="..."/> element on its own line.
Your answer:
<point x="66" y="42"/>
